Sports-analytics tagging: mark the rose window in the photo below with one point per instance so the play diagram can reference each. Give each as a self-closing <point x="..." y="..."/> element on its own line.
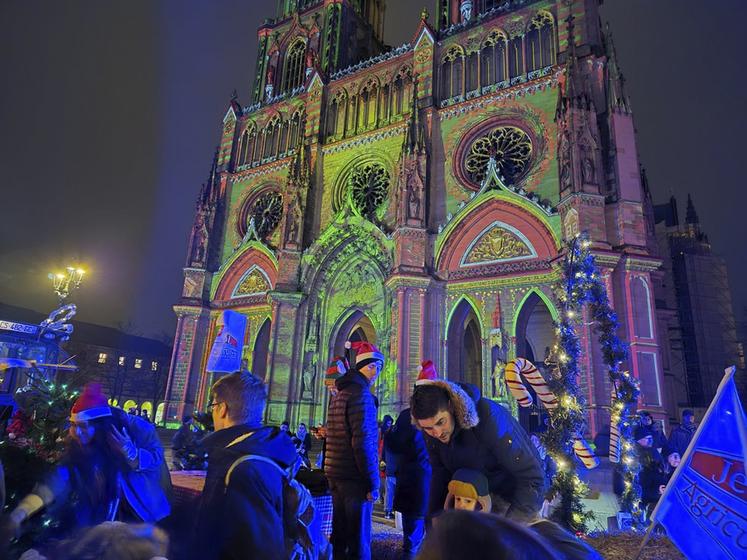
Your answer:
<point x="369" y="185"/>
<point x="512" y="149"/>
<point x="267" y="211"/>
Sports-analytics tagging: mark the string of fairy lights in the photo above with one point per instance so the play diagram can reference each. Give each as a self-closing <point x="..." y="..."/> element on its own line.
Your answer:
<point x="583" y="295"/>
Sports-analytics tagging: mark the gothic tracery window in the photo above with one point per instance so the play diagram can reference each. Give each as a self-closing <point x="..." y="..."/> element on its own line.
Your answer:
<point x="540" y="42"/>
<point x="515" y="57"/>
<point x="295" y="132"/>
<point x="452" y="68"/>
<point x="369" y="186"/>
<point x="294" y="67"/>
<point x="511" y="147"/>
<point x="266" y="211"/>
<point x="493" y="60"/>
<point x="271" y="137"/>
<point x="246" y="146"/>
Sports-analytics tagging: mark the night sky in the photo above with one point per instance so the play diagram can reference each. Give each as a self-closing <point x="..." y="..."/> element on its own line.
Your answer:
<point x="110" y="113"/>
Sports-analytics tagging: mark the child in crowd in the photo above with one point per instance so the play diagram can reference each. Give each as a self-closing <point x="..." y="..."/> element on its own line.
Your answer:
<point x="468" y="490"/>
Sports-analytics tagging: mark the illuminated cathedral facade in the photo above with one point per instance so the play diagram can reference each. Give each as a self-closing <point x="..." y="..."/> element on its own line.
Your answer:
<point x="419" y="197"/>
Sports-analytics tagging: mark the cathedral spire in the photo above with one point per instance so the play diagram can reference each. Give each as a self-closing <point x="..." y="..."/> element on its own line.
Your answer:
<point x="616" y="97"/>
<point x="691" y="216"/>
<point x="414" y="140"/>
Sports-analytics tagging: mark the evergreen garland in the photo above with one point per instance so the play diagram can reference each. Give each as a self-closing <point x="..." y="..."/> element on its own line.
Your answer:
<point x="567" y="420"/>
<point x="583" y="286"/>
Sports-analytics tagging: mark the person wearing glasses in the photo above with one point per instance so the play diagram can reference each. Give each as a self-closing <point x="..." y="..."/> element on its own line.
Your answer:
<point x="241" y="507"/>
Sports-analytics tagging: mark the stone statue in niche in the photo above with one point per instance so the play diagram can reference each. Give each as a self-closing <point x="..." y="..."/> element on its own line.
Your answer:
<point x="589" y="172"/>
<point x="307" y="381"/>
<point x="199" y="247"/>
<point x="564" y="157"/>
<point x="269" y="81"/>
<point x="413" y="203"/>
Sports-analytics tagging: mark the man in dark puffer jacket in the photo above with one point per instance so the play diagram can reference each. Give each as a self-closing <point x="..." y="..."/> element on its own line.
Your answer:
<point x="463" y="430"/>
<point x="351" y="457"/>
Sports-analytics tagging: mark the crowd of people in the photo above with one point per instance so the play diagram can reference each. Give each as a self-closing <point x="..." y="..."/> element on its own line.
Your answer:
<point x="466" y="478"/>
<point x="660" y="456"/>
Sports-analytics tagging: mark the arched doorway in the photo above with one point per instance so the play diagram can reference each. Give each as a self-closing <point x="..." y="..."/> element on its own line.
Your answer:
<point x="535" y="335"/>
<point x="464" y="349"/>
<point x="159" y="413"/>
<point x="147" y="409"/>
<point x="357" y="327"/>
<point x="261" y="348"/>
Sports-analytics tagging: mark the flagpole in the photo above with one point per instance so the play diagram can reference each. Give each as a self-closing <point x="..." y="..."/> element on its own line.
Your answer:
<point x="646" y="538"/>
<point x="728" y="374"/>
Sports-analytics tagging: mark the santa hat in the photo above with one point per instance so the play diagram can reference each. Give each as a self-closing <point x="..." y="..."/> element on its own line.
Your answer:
<point x="365" y="353"/>
<point x="91" y="404"/>
<point x="469" y="483"/>
<point x="426" y="373"/>
<point x="337" y="368"/>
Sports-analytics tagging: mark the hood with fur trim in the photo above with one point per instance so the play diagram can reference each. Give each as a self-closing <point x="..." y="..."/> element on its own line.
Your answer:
<point x="463" y="404"/>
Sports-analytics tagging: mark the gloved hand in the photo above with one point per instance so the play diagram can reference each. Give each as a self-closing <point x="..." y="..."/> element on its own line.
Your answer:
<point x="122" y="443"/>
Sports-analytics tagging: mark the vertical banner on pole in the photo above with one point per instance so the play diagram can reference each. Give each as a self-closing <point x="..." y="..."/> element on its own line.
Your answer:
<point x="225" y="355"/>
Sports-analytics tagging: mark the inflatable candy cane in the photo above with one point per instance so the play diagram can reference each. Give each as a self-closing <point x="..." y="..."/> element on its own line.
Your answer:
<point x="583" y="451"/>
<point x="520" y="366"/>
<point x="614" y="433"/>
<point x="614" y="442"/>
<point x="514" y="383"/>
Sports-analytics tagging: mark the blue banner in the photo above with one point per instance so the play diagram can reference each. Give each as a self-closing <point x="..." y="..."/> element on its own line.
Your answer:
<point x="704" y="507"/>
<point x="225" y="355"/>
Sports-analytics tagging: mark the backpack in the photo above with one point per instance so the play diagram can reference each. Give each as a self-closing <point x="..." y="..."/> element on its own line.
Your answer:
<point x="304" y="539"/>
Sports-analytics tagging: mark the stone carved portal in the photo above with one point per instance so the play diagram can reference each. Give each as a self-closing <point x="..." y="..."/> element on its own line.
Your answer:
<point x="464" y="347"/>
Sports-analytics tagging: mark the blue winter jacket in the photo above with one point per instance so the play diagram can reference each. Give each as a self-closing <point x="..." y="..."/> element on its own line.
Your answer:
<point x="141" y="486"/>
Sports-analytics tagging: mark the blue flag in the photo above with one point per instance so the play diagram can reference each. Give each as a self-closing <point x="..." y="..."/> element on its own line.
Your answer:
<point x="704" y="506"/>
<point x="225" y="355"/>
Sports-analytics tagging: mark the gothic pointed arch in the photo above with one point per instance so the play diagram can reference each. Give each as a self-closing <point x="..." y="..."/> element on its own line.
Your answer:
<point x="534" y="332"/>
<point x="464" y="346"/>
<point x="500" y="234"/>
<point x="343" y="276"/>
<point x="246" y="277"/>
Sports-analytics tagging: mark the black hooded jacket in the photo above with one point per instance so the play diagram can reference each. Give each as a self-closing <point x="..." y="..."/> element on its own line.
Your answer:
<point x="352" y="433"/>
<point x="413" y="468"/>
<point x="245" y="519"/>
<point x="488" y="439"/>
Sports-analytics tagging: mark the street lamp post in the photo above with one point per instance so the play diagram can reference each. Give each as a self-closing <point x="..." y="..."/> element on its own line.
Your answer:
<point x="64" y="284"/>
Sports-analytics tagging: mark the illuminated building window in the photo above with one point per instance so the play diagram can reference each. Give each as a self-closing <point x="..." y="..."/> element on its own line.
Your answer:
<point x="121" y="360"/>
<point x="451" y="73"/>
<point x="154" y="366"/>
<point x="369" y="185"/>
<point x="294" y="67"/>
<point x="511" y="147"/>
<point x="138" y="363"/>
<point x="102" y="358"/>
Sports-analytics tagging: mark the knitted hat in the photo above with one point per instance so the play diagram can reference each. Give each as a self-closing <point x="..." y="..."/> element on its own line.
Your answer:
<point x="365" y="353"/>
<point x="469" y="483"/>
<point x="91" y="404"/>
<point x="337" y="368"/>
<point x="426" y="373"/>
<point x="641" y="432"/>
